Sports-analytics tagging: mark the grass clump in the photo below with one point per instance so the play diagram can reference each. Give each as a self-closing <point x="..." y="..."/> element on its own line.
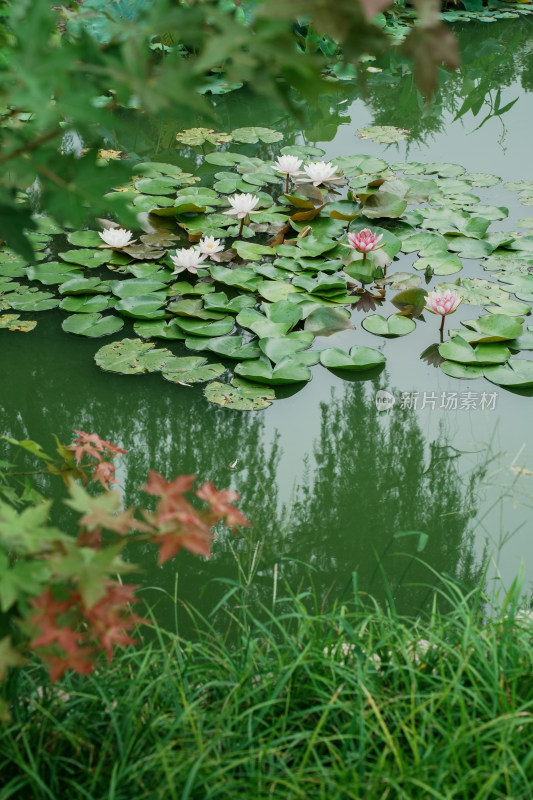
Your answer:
<point x="288" y="703"/>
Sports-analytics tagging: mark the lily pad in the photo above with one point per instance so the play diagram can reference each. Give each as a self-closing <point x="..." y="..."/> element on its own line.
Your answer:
<point x="252" y="135"/>
<point x="87" y="303"/>
<point x="233" y="347"/>
<point x="517" y="373"/>
<point x="395" y="325"/>
<point x="28" y="300"/>
<point x="359" y="358"/>
<point x="12" y="322"/>
<point x="52" y="272"/>
<point x="84" y="286"/>
<point x="278" y="348"/>
<point x="385" y="134"/>
<point x="465" y="371"/>
<point x="494" y="328"/>
<point x="135" y="287"/>
<point x="457" y="349"/>
<point x="131" y="357"/>
<point x="93" y="325"/>
<point x="147" y="306"/>
<point x="198" y="327"/>
<point x="86" y="258"/>
<point x="261" y="371"/>
<point x="325" y="321"/>
<point x="241" y="395"/>
<point x="218" y="301"/>
<point x="85" y="239"/>
<point x="191" y="369"/>
<point x="159" y="330"/>
<point x="194" y="137"/>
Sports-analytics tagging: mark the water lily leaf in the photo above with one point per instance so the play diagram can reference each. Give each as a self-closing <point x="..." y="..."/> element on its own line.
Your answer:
<point x="517" y="373"/>
<point x="131" y="356"/>
<point x="322" y="284"/>
<point x="146" y="306"/>
<point x="287" y="371"/>
<point x="250" y="251"/>
<point x="198" y="327"/>
<point x="87" y="303"/>
<point x="428" y="243"/>
<point x="445" y="264"/>
<point x="276" y="290"/>
<point x="359" y="358"/>
<point x="218" y="301"/>
<point x="457" y="349"/>
<point x="456" y="370"/>
<point x="482" y="179"/>
<point x="240" y="396"/>
<point x="385" y="134"/>
<point x="240" y="278"/>
<point x="226" y="159"/>
<point x="524" y="342"/>
<point x="364" y="270"/>
<point x="325" y="321"/>
<point x="11" y="322"/>
<point x="85" y="238"/>
<point x="159" y="330"/>
<point x="469" y="248"/>
<point x="152" y="169"/>
<point x="134" y="287"/>
<point x="52" y="272"/>
<point x="260" y="325"/>
<point x="193" y="307"/>
<point x="523" y="243"/>
<point x="394" y="326"/>
<point x="191" y="369"/>
<point x="252" y="135"/>
<point x="154" y="204"/>
<point x="279" y="347"/>
<point x="156" y="186"/>
<point x="302" y="151"/>
<point x="512" y="308"/>
<point x="233" y="347"/>
<point x="193" y="137"/>
<point x="355" y="165"/>
<point x="494" y="328"/>
<point x="384" y="204"/>
<point x="84" y="286"/>
<point x="86" y="258"/>
<point x="312" y="247"/>
<point x="92" y="324"/>
<point x="282" y="311"/>
<point x="414" y="190"/>
<point x="185" y="288"/>
<point x="29" y="300"/>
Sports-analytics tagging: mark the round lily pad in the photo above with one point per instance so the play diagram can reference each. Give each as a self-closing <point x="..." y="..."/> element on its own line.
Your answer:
<point x="132" y="357"/>
<point x="287" y="371"/>
<point x="143" y="307"/>
<point x="358" y="358"/>
<point x="456" y="370"/>
<point x="252" y="135"/>
<point x="233" y="347"/>
<point x="191" y="369"/>
<point x="517" y="373"/>
<point x="241" y="395"/>
<point x="86" y="303"/>
<point x="92" y="325"/>
<point x="395" y="325"/>
<point x="159" y="330"/>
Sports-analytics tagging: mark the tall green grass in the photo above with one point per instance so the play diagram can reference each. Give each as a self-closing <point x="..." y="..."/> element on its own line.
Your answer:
<point x="289" y="702"/>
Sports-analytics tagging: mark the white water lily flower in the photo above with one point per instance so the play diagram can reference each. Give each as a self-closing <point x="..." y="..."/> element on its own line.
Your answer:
<point x="209" y="245"/>
<point x="242" y="205"/>
<point x="288" y="165"/>
<point x="116" y="237"/>
<point x="319" y="172"/>
<point x="187" y="259"/>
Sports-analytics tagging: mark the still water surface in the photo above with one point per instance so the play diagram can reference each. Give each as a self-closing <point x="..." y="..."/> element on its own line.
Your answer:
<point x="326" y="477"/>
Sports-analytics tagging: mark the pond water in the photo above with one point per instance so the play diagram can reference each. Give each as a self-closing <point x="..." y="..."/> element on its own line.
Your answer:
<point x="327" y="477"/>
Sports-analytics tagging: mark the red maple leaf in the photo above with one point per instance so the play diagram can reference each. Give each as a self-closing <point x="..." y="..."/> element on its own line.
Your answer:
<point x="157" y="485"/>
<point x="220" y="503"/>
<point x="80" y="662"/>
<point x="104" y="474"/>
<point x="93" y="445"/>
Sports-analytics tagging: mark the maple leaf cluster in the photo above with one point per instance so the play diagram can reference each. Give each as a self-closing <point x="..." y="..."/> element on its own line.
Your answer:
<point x="99" y="450"/>
<point x="70" y="634"/>
<point x="178" y="524"/>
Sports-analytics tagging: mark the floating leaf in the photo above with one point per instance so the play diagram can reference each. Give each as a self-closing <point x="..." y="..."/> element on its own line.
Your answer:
<point x="456" y="370"/>
<point x="87" y="303"/>
<point x="147" y="306"/>
<point x="240" y="396"/>
<point x="359" y="358"/>
<point x="287" y="371"/>
<point x="457" y="349"/>
<point x="199" y="328"/>
<point x="253" y="135"/>
<point x="493" y="328"/>
<point x="325" y="321"/>
<point x="131" y="356"/>
<point x="92" y="325"/>
<point x="193" y="137"/>
<point x="218" y="301"/>
<point x="86" y="258"/>
<point x="250" y="251"/>
<point x="233" y="347"/>
<point x="394" y="326"/>
<point x="191" y="369"/>
<point x="11" y="322"/>
<point x="517" y="373"/>
<point x="278" y="348"/>
<point x="385" y="134"/>
<point x="85" y="239"/>
<point x="159" y="330"/>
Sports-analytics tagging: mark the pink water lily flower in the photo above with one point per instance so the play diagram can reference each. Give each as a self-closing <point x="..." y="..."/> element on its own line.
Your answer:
<point x="365" y="241"/>
<point x="442" y="303"/>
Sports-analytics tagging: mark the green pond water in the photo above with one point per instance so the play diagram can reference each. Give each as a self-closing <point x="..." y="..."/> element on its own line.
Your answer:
<point x="326" y="477"/>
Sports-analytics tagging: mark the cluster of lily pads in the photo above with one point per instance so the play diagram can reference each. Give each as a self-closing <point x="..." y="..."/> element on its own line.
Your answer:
<point x="248" y="273"/>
